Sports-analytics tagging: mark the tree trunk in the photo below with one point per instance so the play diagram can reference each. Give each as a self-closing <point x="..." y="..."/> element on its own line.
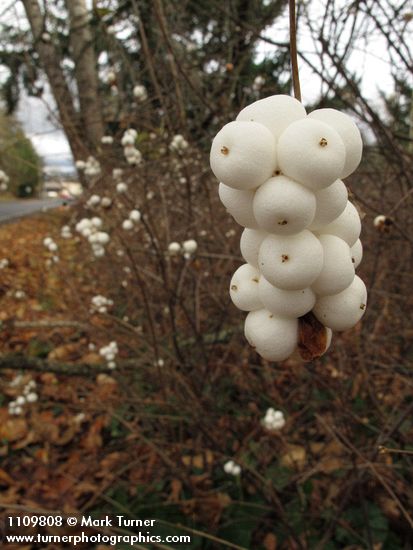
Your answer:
<point x="50" y="61"/>
<point x="81" y="43"/>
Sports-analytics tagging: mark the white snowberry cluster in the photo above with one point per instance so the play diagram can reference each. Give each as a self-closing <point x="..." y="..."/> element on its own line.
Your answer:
<point x="109" y="353"/>
<point x="89" y="228"/>
<point x="66" y="232"/>
<point x="4" y="181"/>
<point x="273" y="420"/>
<point x="134" y="217"/>
<point x="281" y="174"/>
<point x="139" y="91"/>
<point x="232" y="468"/>
<point x="27" y="396"/>
<point x="49" y="243"/>
<point x="132" y="154"/>
<point x="100" y="304"/>
<point x="106" y="140"/>
<point x="90" y="167"/>
<point x="187" y="248"/>
<point x="4" y="262"/>
<point x="178" y="143"/>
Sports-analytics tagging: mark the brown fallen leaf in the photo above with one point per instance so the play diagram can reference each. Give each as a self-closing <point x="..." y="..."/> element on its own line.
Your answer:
<point x="312" y="337"/>
<point x="295" y="457"/>
<point x="13" y="429"/>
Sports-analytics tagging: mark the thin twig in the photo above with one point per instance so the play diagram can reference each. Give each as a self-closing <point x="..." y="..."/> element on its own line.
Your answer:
<point x="293" y="51"/>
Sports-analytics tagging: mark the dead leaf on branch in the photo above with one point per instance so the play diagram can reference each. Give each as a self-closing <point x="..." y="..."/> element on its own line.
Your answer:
<point x="312" y="337"/>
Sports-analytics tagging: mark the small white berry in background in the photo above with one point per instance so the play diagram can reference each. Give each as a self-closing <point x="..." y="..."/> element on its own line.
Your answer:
<point x="273" y="420"/>
<point x="174" y="248"/>
<point x="139" y="91"/>
<point x="232" y="468"/>
<point x="135" y="215"/>
<point x="381" y="221"/>
<point x="32" y="397"/>
<point x="107" y="140"/>
<point x="121" y="187"/>
<point x="127" y="225"/>
<point x="190" y="246"/>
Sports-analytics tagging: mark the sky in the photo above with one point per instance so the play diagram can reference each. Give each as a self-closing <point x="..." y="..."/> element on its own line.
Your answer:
<point x="370" y="61"/>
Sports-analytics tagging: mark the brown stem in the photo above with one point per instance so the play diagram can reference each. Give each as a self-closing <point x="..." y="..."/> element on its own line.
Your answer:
<point x="293" y="51"/>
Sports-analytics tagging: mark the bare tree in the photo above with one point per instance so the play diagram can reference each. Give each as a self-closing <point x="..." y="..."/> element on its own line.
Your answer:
<point x="81" y="42"/>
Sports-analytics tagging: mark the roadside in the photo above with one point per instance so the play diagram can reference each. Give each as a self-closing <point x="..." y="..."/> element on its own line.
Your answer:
<point x="14" y="209"/>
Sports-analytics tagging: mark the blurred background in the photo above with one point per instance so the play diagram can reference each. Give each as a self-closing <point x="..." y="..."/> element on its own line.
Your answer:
<point x="127" y="386"/>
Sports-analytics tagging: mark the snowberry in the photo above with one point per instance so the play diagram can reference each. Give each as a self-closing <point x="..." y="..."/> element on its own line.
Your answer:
<point x="106" y="202"/>
<point x="285" y="303"/>
<point x="273" y="420"/>
<point x="127" y="225"/>
<point x="121" y="187"/>
<point x="312" y="153"/>
<point x="283" y="206"/>
<point x="273" y="337"/>
<point x="135" y="215"/>
<point x="190" y="246"/>
<point x="94" y="200"/>
<point x="178" y="143"/>
<point x="348" y="132"/>
<point x="243" y="155"/>
<point x="347" y="226"/>
<point x="291" y="262"/>
<point x="243" y="288"/>
<point x="174" y="248"/>
<point x="107" y="140"/>
<point x="274" y="112"/>
<point x="31" y="397"/>
<point x="356" y="253"/>
<point x="342" y="311"/>
<point x="381" y="222"/>
<point x="231" y="468"/>
<point x="139" y="91"/>
<point x="338" y="269"/>
<point x="250" y="243"/>
<point x="239" y="204"/>
<point x="127" y="140"/>
<point x="330" y="203"/>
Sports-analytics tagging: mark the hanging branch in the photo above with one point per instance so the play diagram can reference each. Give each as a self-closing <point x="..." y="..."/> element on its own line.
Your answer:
<point x="293" y="51"/>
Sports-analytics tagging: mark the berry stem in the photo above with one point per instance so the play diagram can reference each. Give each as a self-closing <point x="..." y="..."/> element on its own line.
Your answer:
<point x="293" y="51"/>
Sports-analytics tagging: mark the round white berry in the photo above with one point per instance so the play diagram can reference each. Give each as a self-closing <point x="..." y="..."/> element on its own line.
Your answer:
<point x="312" y="153"/>
<point x="285" y="303"/>
<point x="338" y="269"/>
<point x="283" y="206"/>
<point x="347" y="226"/>
<point x="243" y="288"/>
<point x="135" y="215"/>
<point x="127" y="225"/>
<point x="344" y="310"/>
<point x="349" y="133"/>
<point x="190" y="246"/>
<point x="174" y="248"/>
<point x="356" y="253"/>
<point x="243" y="155"/>
<point x="239" y="204"/>
<point x="274" y="338"/>
<point x="291" y="262"/>
<point x="250" y="243"/>
<point x="275" y="112"/>
<point x="330" y="203"/>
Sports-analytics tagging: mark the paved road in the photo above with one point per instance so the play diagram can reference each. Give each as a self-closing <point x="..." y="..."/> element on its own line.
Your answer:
<point x="17" y="209"/>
